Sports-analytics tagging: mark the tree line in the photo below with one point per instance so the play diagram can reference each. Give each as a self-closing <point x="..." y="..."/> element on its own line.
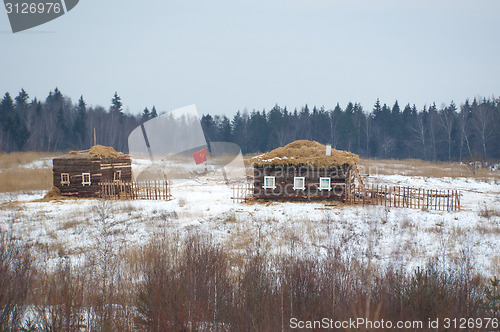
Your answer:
<point x="57" y="124"/>
<point x="470" y="131"/>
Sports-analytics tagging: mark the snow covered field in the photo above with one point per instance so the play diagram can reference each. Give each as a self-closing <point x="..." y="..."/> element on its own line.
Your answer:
<point x="404" y="238"/>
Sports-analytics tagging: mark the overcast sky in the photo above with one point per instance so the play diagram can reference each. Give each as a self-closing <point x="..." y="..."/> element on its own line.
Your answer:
<point x="227" y="55"/>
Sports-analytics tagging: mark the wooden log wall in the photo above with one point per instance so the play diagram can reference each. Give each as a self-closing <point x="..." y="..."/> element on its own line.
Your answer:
<point x="341" y="178"/>
<point x="100" y="170"/>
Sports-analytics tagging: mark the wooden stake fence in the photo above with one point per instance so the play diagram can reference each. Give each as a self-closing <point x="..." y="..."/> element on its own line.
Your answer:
<point x="409" y="197"/>
<point x="151" y="190"/>
<point x="242" y="192"/>
<point x="395" y="196"/>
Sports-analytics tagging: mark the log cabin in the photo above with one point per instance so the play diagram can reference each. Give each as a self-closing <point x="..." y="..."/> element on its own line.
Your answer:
<point x="305" y="171"/>
<point x="79" y="173"/>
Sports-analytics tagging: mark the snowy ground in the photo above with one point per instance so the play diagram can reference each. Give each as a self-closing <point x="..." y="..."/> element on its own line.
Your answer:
<point x="402" y="237"/>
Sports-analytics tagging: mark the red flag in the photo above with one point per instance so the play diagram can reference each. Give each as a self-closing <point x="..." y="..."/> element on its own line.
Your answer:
<point x="200" y="156"/>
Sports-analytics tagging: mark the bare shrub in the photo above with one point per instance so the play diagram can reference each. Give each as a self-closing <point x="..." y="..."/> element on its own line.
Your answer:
<point x="181" y="201"/>
<point x="160" y="302"/>
<point x="492" y="297"/>
<point x="256" y="297"/>
<point x="488" y="213"/>
<point x="15" y="280"/>
<point x="187" y="286"/>
<point x="60" y="303"/>
<point x="104" y="265"/>
<point x="174" y="284"/>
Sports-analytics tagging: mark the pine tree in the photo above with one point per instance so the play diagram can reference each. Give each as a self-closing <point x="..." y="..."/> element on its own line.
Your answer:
<point x="377" y="109"/>
<point x="239" y="132"/>
<point x="433" y="132"/>
<point x="259" y="131"/>
<point x="116" y="108"/>
<point x="146" y="115"/>
<point x="12" y="125"/>
<point x="57" y="95"/>
<point x="404" y="142"/>
<point x="225" y="130"/>
<point x="305" y="123"/>
<point x="80" y="125"/>
<point x="21" y="132"/>
<point x="276" y="123"/>
<point x="62" y="130"/>
<point x="37" y="105"/>
<point x="396" y="130"/>
<point x="154" y="114"/>
<point x="347" y="129"/>
<point x="448" y="116"/>
<point x="22" y="99"/>
<point x="209" y="128"/>
<point x="6" y="112"/>
<point x="321" y="125"/>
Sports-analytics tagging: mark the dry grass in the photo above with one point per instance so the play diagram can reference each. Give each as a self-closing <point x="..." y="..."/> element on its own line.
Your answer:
<point x="70" y="224"/>
<point x="230" y="218"/>
<point x="435" y="229"/>
<point x="99" y="151"/>
<point x="25" y="179"/>
<point x="488" y="229"/>
<point x="15" y="178"/>
<point x="417" y="167"/>
<point x="14" y="159"/>
<point x="306" y="152"/>
<point x="458" y="232"/>
<point x="242" y="238"/>
<point x="487" y="212"/>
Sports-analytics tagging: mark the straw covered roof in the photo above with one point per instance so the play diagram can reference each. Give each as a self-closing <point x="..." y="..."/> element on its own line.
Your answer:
<point x="305" y="152"/>
<point x="97" y="151"/>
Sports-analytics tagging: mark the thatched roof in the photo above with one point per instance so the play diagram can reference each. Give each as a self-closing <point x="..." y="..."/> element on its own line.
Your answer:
<point x="305" y="152"/>
<point x="97" y="151"/>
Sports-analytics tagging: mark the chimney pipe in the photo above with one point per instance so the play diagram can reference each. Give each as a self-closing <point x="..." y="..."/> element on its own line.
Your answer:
<point x="328" y="149"/>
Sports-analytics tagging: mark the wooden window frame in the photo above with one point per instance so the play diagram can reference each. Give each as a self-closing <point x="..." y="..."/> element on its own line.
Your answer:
<point x="64" y="179"/>
<point x="295" y="183"/>
<point x="119" y="173"/>
<point x="273" y="185"/>
<point x="329" y="184"/>
<point x="89" y="182"/>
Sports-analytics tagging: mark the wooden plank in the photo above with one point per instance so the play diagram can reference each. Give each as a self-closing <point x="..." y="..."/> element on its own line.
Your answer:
<point x="399" y="196"/>
<point x="418" y="202"/>
<point x="453" y="200"/>
<point x="439" y="200"/>
<point x="404" y="197"/>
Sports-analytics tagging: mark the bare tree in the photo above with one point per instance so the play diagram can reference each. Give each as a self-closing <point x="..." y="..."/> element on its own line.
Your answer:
<point x="464" y="127"/>
<point x="447" y="117"/>
<point x="481" y="121"/>
<point x="420" y="131"/>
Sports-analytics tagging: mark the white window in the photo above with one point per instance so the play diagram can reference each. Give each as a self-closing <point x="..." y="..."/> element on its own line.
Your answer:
<point x="299" y="182"/>
<point x="64" y="179"/>
<point x="117" y="176"/>
<point x="324" y="184"/>
<point x="86" y="179"/>
<point x="269" y="182"/>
